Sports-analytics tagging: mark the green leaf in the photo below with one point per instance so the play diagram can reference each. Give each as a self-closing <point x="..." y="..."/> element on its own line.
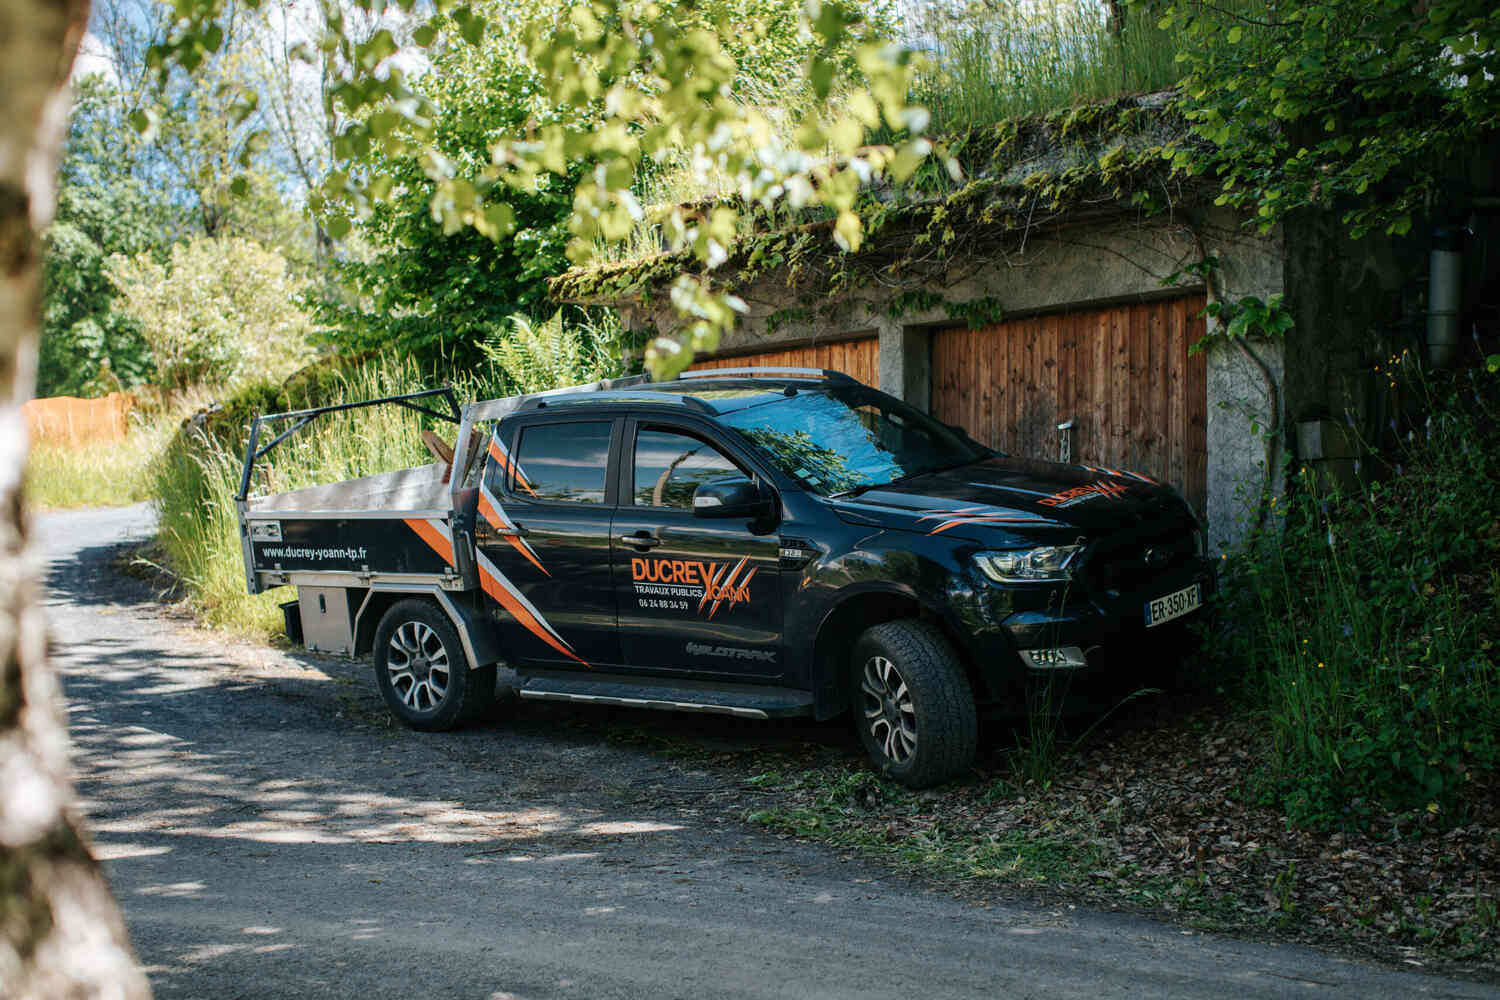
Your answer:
<point x="821" y="74"/>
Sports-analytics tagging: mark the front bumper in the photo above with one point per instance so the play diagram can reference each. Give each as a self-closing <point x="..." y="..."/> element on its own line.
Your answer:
<point x="1111" y="619"/>
<point x="994" y="624"/>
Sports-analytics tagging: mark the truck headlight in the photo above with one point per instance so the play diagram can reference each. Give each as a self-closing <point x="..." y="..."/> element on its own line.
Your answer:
<point x="1046" y="564"/>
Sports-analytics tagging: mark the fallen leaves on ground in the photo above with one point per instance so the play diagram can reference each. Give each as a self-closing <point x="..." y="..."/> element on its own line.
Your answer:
<point x="1158" y="814"/>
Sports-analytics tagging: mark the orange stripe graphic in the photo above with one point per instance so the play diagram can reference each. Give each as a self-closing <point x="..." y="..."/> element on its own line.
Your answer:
<point x="506" y="464"/>
<point x="491" y="514"/>
<point x="432" y="537"/>
<point x="730" y="583"/>
<point x="499" y="524"/>
<point x="985" y="520"/>
<point x="495" y="589"/>
<point x="525" y="550"/>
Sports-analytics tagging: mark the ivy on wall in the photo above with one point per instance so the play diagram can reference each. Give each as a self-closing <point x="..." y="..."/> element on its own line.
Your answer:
<point x="1017" y="176"/>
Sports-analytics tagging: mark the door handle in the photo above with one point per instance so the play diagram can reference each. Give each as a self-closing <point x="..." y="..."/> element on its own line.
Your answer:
<point x="640" y="540"/>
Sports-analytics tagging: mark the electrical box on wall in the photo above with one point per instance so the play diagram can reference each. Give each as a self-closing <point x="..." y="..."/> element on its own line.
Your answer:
<point x="327" y="620"/>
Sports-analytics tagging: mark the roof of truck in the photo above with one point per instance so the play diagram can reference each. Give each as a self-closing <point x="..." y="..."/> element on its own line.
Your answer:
<point x="703" y="391"/>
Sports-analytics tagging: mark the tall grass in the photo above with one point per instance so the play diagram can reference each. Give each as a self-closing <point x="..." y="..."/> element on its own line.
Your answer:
<point x="1373" y="622"/>
<point x="59" y="477"/>
<point x="1023" y="59"/>
<point x="195" y="480"/>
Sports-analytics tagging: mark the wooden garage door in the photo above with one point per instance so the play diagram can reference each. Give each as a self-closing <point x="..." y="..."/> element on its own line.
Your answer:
<point x="859" y="359"/>
<point x="1122" y="374"/>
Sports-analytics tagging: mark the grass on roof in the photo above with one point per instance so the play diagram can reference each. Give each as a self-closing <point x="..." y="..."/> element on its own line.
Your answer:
<point x="1026" y="59"/>
<point x="1008" y="62"/>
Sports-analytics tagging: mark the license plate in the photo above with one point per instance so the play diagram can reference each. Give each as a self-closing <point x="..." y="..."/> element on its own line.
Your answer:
<point x="1164" y="609"/>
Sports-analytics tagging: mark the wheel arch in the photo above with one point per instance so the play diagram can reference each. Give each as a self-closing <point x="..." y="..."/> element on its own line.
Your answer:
<point x="474" y="633"/>
<point x="857" y="610"/>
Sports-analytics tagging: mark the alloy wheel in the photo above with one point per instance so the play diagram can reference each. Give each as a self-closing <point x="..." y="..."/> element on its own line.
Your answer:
<point x="889" y="712"/>
<point x="417" y="662"/>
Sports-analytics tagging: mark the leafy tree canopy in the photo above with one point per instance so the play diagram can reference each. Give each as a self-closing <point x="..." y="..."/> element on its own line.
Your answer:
<point x="632" y="82"/>
<point x="435" y="291"/>
<point x="103" y="207"/>
<point x="1352" y="104"/>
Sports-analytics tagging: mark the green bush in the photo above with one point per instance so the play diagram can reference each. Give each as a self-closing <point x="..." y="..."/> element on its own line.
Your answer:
<point x="1370" y="623"/>
<point x="533" y="356"/>
<point x="218" y="312"/>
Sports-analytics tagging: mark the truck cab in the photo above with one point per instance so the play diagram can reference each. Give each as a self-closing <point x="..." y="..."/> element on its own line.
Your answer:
<point x="752" y="542"/>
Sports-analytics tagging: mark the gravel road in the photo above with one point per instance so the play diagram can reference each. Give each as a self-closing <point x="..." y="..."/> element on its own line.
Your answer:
<point x="269" y="834"/>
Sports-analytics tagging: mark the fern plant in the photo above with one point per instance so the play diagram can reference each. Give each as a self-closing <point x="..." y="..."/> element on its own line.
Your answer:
<point x="535" y="355"/>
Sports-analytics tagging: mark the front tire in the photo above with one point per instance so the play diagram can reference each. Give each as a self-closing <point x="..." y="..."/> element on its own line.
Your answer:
<point x="912" y="703"/>
<point x="422" y="672"/>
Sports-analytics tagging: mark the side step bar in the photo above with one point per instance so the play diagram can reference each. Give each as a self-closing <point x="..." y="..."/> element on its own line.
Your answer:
<point x="746" y="701"/>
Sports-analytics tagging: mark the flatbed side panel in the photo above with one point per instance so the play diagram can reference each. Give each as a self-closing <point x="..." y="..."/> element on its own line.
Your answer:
<point x="421" y="487"/>
<point x="399" y="545"/>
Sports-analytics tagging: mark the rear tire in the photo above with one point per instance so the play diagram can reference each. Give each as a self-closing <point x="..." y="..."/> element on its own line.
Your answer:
<point x="912" y="703"/>
<point x="422" y="672"/>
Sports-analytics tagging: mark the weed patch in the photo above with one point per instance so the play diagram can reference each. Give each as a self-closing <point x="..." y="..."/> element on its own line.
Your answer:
<point x="1369" y="621"/>
<point x="855" y="809"/>
<point x="1155" y="813"/>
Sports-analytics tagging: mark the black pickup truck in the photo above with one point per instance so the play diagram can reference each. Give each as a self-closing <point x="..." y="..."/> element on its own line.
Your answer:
<point x="754" y="542"/>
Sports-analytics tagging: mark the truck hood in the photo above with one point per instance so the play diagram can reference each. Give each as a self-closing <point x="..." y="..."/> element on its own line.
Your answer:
<point x="1023" y="496"/>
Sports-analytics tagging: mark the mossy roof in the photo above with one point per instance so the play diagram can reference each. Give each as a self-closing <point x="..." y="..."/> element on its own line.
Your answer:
<point x="1065" y="167"/>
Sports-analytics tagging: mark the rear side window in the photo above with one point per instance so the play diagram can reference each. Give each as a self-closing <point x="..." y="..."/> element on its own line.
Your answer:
<point x="562" y="461"/>
<point x="669" y="466"/>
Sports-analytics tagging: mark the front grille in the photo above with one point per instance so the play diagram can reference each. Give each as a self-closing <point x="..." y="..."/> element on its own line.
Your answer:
<point x="1125" y="559"/>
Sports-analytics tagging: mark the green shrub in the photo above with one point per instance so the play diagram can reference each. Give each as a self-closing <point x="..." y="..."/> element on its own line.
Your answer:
<point x="218" y="312"/>
<point x="1370" y="623"/>
<point x="533" y="356"/>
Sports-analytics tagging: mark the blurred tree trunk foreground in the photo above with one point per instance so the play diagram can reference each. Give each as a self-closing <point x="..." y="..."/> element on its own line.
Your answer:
<point x="61" y="935"/>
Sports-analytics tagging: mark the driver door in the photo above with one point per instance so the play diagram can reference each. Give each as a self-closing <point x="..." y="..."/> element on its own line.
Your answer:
<point x="696" y="596"/>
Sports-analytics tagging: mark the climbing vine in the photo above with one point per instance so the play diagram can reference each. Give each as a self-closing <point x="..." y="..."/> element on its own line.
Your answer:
<point x="1357" y="105"/>
<point x="1016" y="177"/>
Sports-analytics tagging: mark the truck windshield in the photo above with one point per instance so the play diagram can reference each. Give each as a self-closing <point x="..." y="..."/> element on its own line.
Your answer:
<point x="849" y="438"/>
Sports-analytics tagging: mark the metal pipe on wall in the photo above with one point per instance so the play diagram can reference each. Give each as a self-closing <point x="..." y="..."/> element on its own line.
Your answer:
<point x="1445" y="295"/>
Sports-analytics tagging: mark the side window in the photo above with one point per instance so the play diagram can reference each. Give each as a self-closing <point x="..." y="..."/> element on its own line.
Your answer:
<point x="562" y="461"/>
<point x="670" y="465"/>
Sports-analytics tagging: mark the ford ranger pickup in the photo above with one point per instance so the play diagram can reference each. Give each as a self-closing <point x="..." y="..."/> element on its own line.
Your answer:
<point x="756" y="542"/>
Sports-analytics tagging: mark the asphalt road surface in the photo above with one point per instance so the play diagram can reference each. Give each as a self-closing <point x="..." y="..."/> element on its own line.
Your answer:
<point x="269" y="834"/>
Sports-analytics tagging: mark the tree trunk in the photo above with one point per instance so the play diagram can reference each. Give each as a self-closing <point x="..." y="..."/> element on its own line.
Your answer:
<point x="1116" y="17"/>
<point x="61" y="934"/>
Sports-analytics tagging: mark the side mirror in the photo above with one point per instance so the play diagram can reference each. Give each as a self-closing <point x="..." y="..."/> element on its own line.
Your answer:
<point x="730" y="498"/>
